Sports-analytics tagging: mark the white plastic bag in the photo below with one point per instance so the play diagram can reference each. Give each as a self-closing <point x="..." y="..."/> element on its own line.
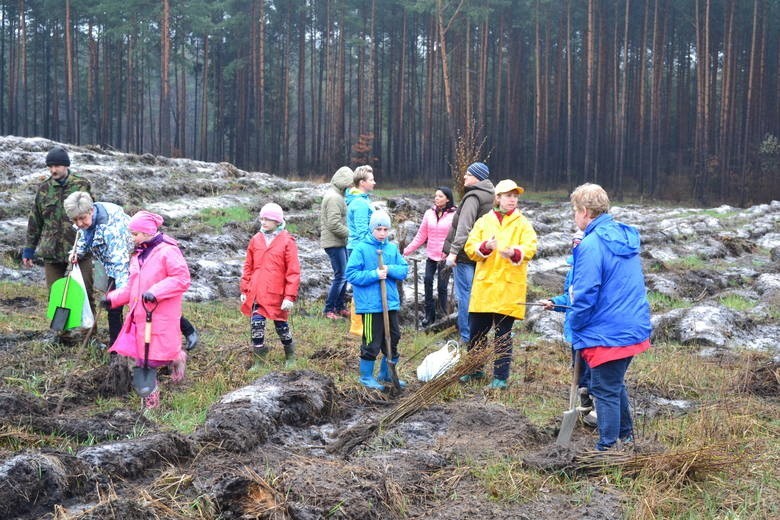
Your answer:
<point x="87" y="318"/>
<point x="437" y="363"/>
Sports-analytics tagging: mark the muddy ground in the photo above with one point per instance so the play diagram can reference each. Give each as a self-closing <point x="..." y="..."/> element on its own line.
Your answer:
<point x="274" y="449"/>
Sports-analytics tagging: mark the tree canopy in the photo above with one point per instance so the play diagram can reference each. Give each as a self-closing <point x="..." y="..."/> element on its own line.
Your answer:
<point x="659" y="98"/>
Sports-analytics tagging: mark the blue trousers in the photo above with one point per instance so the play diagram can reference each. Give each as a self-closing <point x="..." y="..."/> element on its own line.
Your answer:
<point x="607" y="385"/>
<point x="338" y="287"/>
<point x="464" y="277"/>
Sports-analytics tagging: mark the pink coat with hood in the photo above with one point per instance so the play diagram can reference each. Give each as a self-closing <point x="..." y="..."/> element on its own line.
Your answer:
<point x="165" y="274"/>
<point x="433" y="230"/>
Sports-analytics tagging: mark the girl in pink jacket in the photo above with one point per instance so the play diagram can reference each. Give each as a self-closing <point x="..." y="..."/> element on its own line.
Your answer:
<point x="435" y="225"/>
<point x="159" y="277"/>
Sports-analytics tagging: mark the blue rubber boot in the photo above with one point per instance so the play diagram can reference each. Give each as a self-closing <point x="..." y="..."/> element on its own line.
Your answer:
<point x="384" y="373"/>
<point x="367" y="375"/>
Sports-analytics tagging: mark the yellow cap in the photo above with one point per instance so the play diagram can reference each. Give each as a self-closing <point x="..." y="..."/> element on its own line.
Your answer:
<point x="507" y="186"/>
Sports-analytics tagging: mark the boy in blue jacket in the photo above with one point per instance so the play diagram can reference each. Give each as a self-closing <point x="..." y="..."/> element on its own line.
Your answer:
<point x="364" y="274"/>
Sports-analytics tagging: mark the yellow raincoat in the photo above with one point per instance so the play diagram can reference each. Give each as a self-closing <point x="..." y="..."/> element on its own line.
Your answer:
<point x="498" y="282"/>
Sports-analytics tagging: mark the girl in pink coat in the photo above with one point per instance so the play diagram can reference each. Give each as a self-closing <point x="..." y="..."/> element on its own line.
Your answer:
<point x="436" y="223"/>
<point x="269" y="285"/>
<point x="159" y="276"/>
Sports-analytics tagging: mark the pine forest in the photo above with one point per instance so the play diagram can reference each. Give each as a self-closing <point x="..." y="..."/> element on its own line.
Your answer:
<point x="654" y="98"/>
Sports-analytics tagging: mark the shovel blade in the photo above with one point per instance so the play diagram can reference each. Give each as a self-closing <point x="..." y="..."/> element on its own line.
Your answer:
<point x="395" y="388"/>
<point x="567" y="427"/>
<point x="60" y="319"/>
<point x="144" y="380"/>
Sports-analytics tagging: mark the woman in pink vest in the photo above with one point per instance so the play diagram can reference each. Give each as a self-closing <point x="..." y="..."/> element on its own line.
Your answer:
<point x="436" y="223"/>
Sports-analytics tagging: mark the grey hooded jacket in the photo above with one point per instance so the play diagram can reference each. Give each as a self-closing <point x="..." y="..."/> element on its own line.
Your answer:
<point x="477" y="201"/>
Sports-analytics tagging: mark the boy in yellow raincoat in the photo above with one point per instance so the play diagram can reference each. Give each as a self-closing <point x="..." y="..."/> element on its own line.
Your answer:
<point x="501" y="243"/>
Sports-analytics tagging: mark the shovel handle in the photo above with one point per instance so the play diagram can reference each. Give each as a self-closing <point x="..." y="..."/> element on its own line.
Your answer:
<point x="386" y="322"/>
<point x="576" y="371"/>
<point x="148" y="329"/>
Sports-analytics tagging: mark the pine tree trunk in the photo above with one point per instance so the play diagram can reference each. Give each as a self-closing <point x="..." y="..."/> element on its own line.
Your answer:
<point x="165" y="88"/>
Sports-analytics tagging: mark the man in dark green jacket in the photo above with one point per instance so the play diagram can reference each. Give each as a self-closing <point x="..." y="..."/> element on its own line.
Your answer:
<point x="50" y="234"/>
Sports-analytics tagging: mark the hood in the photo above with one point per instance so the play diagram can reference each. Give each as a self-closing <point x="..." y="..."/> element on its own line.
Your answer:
<point x="342" y="179"/>
<point x="621" y="239"/>
<point x="483" y="185"/>
<point x="353" y="194"/>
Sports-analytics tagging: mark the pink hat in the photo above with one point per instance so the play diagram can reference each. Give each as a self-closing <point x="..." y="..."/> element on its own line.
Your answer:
<point x="273" y="212"/>
<point x="145" y="222"/>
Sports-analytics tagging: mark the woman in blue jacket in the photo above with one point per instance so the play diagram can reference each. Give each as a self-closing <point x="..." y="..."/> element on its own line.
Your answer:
<point x="610" y="314"/>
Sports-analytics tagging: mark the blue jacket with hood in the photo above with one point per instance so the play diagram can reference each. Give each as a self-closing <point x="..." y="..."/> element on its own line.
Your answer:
<point x="359" y="212"/>
<point x="361" y="273"/>
<point x="608" y="294"/>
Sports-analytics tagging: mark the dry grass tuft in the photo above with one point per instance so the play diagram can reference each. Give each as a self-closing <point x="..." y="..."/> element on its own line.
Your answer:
<point x="674" y="468"/>
<point x="759" y="375"/>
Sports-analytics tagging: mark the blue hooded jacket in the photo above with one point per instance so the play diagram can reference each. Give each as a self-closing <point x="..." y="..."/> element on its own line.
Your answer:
<point x="359" y="212"/>
<point x="361" y="273"/>
<point x="608" y="294"/>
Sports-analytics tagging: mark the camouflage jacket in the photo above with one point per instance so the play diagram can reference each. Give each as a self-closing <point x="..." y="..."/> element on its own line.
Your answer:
<point x="49" y="231"/>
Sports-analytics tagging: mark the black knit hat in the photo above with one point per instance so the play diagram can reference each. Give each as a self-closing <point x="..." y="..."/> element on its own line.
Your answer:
<point x="57" y="156"/>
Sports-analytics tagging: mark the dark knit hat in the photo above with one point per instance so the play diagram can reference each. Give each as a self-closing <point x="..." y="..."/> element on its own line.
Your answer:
<point x="479" y="170"/>
<point x="57" y="156"/>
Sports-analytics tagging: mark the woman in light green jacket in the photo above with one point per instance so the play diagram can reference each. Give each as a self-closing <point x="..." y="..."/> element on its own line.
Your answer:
<point x="333" y="238"/>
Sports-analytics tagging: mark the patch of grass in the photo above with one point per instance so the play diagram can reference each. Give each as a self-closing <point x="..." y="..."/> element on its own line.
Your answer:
<point x="720" y="215"/>
<point x="505" y="480"/>
<point x="687" y="263"/>
<point x="662" y="302"/>
<point x="737" y="302"/>
<point x="218" y="217"/>
<point x="33" y="383"/>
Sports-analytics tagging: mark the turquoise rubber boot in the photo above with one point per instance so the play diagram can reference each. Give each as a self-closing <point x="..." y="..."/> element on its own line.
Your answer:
<point x="384" y="373"/>
<point x="497" y="384"/>
<point x="367" y="375"/>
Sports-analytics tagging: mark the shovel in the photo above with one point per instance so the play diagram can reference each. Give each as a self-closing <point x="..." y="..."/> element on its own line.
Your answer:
<point x="570" y="416"/>
<point x="396" y="388"/>
<point x="529" y="304"/>
<point x="59" y="321"/>
<point x="145" y="378"/>
<point x="61" y="313"/>
<point x="416" y="261"/>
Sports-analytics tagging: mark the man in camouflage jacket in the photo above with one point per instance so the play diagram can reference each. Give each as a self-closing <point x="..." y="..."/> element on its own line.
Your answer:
<point x="49" y="231"/>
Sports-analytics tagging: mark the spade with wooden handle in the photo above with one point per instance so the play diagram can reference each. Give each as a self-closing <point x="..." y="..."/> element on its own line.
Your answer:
<point x="570" y="416"/>
<point x="396" y="388"/>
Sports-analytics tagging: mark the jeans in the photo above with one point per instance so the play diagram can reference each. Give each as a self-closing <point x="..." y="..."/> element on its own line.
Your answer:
<point x="431" y="306"/>
<point x="464" y="277"/>
<point x="338" y="287"/>
<point x="607" y="386"/>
